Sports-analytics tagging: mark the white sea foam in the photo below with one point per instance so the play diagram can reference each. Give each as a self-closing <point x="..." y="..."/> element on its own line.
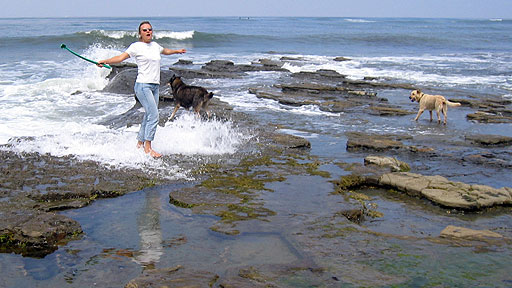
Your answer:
<point x="307" y="110"/>
<point x="299" y="133"/>
<point x="40" y="107"/>
<point x="434" y="69"/>
<point x="359" y="20"/>
<point x="116" y="34"/>
<point x="119" y="34"/>
<point x="174" y="35"/>
<point x="187" y="135"/>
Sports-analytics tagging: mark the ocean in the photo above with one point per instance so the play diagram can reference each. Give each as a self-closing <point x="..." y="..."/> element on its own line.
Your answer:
<point x="52" y="102"/>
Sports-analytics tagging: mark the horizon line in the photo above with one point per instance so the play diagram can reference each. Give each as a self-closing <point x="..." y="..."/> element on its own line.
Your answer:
<point x="243" y="16"/>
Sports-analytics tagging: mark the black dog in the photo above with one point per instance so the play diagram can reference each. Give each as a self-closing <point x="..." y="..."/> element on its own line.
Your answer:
<point x="189" y="96"/>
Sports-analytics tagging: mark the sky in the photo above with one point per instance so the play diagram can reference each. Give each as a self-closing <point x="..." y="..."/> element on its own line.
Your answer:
<point x="308" y="8"/>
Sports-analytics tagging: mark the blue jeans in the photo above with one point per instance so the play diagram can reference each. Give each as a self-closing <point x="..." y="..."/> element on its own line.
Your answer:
<point x="147" y="94"/>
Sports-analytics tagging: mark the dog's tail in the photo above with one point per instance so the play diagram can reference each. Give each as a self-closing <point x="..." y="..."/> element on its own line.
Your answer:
<point x="210" y="95"/>
<point x="452" y="104"/>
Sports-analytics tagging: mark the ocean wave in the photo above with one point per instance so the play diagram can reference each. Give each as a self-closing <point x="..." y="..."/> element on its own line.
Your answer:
<point x="120" y="34"/>
<point x="111" y="34"/>
<point x="359" y="20"/>
<point x="175" y="35"/>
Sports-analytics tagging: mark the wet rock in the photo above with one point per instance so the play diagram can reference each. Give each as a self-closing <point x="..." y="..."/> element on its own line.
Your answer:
<point x="291" y="141"/>
<point x="36" y="174"/>
<point x="250" y="277"/>
<point x="127" y="119"/>
<point x="202" y="200"/>
<point x="265" y="65"/>
<point x="366" y="94"/>
<point x="337" y="106"/>
<point x="310" y="87"/>
<point x="473" y="103"/>
<point x="489" y="140"/>
<point x="174" y="277"/>
<point x="320" y="75"/>
<point x="389" y="111"/>
<point x="117" y="68"/>
<point x="349" y="182"/>
<point x="490" y="110"/>
<point x="246" y="283"/>
<point x="380" y="85"/>
<point x="358" y="141"/>
<point x="341" y="59"/>
<point x="288" y="58"/>
<point x="124" y="80"/>
<point x="331" y="92"/>
<point x="354" y="215"/>
<point x="487" y="160"/>
<point x="485" y="104"/>
<point x="447" y="193"/>
<point x="225" y="228"/>
<point x="329" y="98"/>
<point x="205" y="74"/>
<point x="228" y="69"/>
<point x="438" y="189"/>
<point x="468" y="234"/>
<point x="394" y="164"/>
<point x="488" y="117"/>
<point x="184" y="62"/>
<point x="281" y="97"/>
<point x="272" y="64"/>
<point x="220" y="65"/>
<point x="35" y="233"/>
<point x="327" y="76"/>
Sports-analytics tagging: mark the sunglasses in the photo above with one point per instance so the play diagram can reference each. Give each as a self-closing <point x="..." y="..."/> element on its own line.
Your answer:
<point x="146" y="30"/>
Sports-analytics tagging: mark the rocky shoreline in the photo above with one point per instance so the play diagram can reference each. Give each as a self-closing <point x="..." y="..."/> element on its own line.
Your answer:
<point x="35" y="187"/>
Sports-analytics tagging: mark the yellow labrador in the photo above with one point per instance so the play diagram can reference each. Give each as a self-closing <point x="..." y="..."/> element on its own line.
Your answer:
<point x="431" y="102"/>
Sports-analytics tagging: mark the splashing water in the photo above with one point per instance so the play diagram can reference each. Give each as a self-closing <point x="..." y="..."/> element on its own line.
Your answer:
<point x="187" y="135"/>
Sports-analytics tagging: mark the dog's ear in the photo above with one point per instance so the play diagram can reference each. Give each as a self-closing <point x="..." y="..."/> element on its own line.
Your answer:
<point x="210" y="95"/>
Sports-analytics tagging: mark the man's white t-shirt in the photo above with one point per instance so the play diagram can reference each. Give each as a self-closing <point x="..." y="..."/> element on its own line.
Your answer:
<point x="147" y="56"/>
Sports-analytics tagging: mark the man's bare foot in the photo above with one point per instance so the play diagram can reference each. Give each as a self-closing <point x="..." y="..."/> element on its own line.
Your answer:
<point x="140" y="144"/>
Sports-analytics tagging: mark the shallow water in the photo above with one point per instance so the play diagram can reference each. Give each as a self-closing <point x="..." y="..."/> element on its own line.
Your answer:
<point x="125" y="235"/>
<point x="122" y="236"/>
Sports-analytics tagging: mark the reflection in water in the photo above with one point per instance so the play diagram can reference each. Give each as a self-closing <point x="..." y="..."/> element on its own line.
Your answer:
<point x="150" y="233"/>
